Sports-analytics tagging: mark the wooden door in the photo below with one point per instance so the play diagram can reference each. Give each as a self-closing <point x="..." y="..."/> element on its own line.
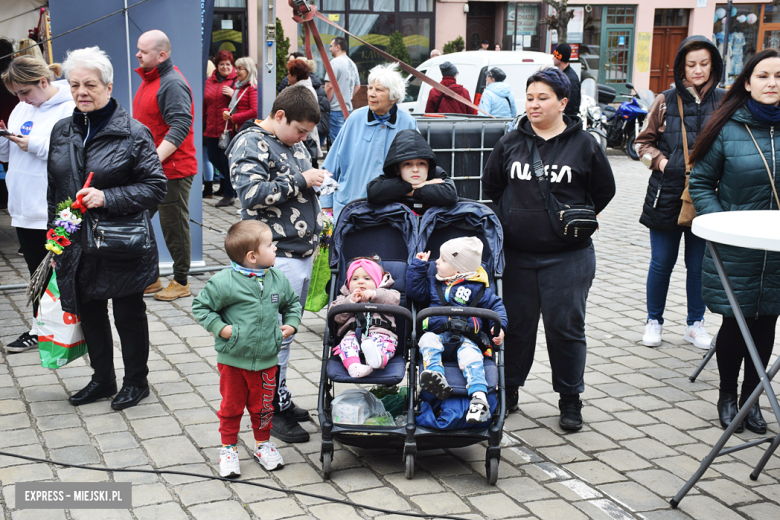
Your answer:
<point x="480" y="23"/>
<point x="478" y="29"/>
<point x="666" y="43"/>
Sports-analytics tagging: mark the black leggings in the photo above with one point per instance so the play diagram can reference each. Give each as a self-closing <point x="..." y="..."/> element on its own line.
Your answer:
<point x="33" y="245"/>
<point x="731" y="351"/>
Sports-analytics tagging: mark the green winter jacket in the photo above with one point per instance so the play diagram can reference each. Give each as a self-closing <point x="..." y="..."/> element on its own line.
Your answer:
<point x="732" y="177"/>
<point x="231" y="298"/>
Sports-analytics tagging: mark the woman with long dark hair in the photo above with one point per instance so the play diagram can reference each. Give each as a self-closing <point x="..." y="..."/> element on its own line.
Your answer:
<point x="697" y="69"/>
<point x="729" y="174"/>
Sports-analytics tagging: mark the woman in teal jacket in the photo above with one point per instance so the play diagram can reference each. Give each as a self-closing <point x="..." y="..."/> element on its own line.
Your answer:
<point x="729" y="175"/>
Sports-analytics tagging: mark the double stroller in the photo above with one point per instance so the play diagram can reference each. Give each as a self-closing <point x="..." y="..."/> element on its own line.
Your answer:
<point x="395" y="233"/>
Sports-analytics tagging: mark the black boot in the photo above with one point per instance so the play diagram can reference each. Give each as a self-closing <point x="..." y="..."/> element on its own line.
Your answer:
<point x="571" y="412"/>
<point x="755" y="421"/>
<point x="727" y="409"/>
<point x="286" y="428"/>
<point x="208" y="190"/>
<point x="297" y="413"/>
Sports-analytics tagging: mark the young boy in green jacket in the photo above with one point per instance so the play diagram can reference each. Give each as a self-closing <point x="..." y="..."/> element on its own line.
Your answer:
<point x="241" y="307"/>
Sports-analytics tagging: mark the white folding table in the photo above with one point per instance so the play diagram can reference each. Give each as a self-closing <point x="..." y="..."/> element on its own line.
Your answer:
<point x="751" y="230"/>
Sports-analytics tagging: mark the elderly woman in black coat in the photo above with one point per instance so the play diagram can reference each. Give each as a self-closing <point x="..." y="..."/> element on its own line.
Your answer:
<point x="128" y="180"/>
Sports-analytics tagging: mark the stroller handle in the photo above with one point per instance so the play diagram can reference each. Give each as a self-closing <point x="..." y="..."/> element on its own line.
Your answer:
<point x="482" y="314"/>
<point x="352" y="308"/>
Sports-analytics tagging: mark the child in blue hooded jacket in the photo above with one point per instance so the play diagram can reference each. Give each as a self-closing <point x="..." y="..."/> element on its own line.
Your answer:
<point x="458" y="281"/>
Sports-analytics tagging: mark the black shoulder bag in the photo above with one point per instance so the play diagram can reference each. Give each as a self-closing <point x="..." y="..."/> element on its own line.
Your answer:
<point x="113" y="238"/>
<point x="573" y="223"/>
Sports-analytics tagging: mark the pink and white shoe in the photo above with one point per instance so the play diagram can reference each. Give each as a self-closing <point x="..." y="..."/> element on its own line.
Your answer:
<point x="359" y="370"/>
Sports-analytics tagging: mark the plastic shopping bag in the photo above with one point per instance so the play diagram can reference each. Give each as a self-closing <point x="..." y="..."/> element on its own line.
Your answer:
<point x="356" y="406"/>
<point x="60" y="339"/>
<point x="320" y="275"/>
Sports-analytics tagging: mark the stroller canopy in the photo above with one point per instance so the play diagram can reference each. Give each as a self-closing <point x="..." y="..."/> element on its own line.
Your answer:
<point x="468" y="216"/>
<point x="361" y="215"/>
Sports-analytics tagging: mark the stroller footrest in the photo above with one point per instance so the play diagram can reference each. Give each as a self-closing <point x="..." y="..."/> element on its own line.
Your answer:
<point x="392" y="374"/>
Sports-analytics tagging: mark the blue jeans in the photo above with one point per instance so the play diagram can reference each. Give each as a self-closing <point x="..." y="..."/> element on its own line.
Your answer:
<point x="220" y="161"/>
<point x="208" y="171"/>
<point x="664" y="246"/>
<point x="336" y="122"/>
<point x="469" y="360"/>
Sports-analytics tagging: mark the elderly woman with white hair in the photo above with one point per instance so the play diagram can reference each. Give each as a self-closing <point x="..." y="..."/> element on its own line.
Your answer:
<point x="101" y="138"/>
<point x="358" y="154"/>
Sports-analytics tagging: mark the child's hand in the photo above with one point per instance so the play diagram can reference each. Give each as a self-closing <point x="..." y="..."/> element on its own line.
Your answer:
<point x="287" y="331"/>
<point x="226" y="332"/>
<point x="355" y="296"/>
<point x="314" y="177"/>
<point x="366" y="295"/>
<point x="424" y="256"/>
<point x="500" y="338"/>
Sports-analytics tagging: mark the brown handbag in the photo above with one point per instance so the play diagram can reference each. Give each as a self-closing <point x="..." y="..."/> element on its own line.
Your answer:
<point x="687" y="212"/>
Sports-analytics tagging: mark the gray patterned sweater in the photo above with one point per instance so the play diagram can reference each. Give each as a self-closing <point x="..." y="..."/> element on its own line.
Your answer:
<point x="267" y="175"/>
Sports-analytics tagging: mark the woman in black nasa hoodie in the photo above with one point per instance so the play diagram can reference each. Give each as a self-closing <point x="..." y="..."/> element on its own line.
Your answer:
<point x="545" y="274"/>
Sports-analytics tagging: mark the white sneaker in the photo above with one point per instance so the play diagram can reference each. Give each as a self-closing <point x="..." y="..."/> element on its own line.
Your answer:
<point x="478" y="408"/>
<point x="372" y="352"/>
<point x="229" y="466"/>
<point x="653" y="331"/>
<point x="268" y="457"/>
<point x="697" y="335"/>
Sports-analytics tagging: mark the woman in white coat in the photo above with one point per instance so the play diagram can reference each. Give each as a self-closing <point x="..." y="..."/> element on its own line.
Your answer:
<point x="43" y="102"/>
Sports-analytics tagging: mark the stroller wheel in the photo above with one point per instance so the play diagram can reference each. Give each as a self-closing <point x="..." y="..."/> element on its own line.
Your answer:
<point x="491" y="468"/>
<point x="409" y="466"/>
<point x="327" y="459"/>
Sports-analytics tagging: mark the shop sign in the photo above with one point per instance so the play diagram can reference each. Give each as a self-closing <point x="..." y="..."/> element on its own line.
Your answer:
<point x="527" y="17"/>
<point x="576" y="25"/>
<point x="643" y="51"/>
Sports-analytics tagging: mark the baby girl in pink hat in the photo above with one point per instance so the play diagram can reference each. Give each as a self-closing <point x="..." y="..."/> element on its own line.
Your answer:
<point x="366" y="283"/>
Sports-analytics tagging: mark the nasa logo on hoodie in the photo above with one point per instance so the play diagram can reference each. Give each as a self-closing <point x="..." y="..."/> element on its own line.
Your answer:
<point x="26" y="128"/>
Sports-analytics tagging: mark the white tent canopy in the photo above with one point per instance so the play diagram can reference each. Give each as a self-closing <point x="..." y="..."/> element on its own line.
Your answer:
<point x="18" y="28"/>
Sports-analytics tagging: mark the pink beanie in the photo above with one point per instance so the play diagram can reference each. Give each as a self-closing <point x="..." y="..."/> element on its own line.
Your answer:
<point x="373" y="269"/>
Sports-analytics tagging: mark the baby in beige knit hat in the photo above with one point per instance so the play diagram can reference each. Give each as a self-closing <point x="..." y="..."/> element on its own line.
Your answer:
<point x="457" y="281"/>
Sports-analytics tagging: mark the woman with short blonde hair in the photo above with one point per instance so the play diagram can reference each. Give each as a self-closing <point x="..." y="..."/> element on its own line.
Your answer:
<point x="43" y="102"/>
<point x="101" y="137"/>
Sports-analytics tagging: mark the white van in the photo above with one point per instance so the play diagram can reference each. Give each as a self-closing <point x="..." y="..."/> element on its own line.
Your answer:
<point x="472" y="70"/>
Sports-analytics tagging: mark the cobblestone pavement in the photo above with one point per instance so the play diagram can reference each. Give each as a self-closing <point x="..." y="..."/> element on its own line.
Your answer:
<point x="647" y="425"/>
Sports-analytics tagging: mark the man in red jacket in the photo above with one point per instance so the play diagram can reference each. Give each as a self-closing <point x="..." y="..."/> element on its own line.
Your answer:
<point x="164" y="104"/>
<point x="439" y="103"/>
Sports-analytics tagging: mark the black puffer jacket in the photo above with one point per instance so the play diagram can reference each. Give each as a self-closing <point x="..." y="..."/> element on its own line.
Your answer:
<point x="575" y="94"/>
<point x="323" y="127"/>
<point x="127" y="169"/>
<point x="668" y="186"/>
<point x="390" y="187"/>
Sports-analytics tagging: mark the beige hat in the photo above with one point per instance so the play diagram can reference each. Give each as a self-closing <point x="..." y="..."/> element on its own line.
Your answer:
<point x="463" y="254"/>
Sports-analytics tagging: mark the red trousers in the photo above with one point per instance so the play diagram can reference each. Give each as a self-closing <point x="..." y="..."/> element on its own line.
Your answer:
<point x="241" y="389"/>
